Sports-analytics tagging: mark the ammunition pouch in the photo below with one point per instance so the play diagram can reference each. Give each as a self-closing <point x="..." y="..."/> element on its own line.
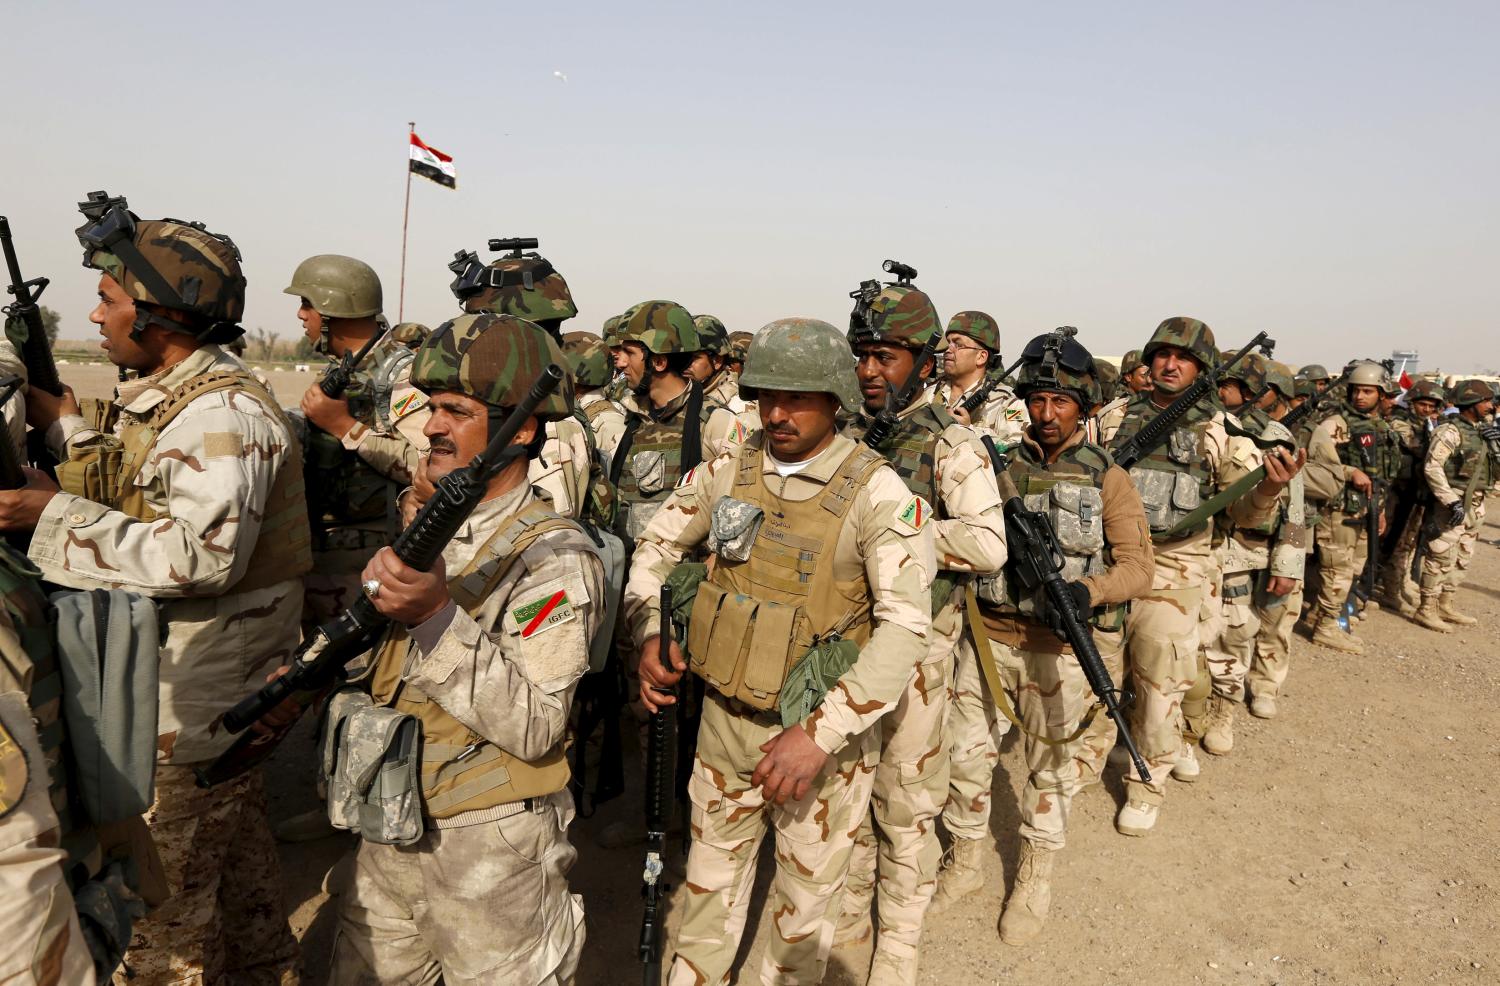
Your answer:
<point x="742" y="647"/>
<point x="813" y="676"/>
<point x="92" y="469"/>
<point x="371" y="765"/>
<point x="1167" y="496"/>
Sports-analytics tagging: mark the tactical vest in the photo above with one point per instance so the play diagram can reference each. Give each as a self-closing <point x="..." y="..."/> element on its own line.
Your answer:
<point x="1172" y="478"/>
<point x="342" y="489"/>
<point x="1409" y="467"/>
<point x="462" y="771"/>
<point x="1070" y="492"/>
<point x="370" y="393"/>
<point x="593" y="409"/>
<point x="1469" y="463"/>
<point x="912" y="451"/>
<point x="598" y="509"/>
<point x="753" y="619"/>
<point x="106" y="470"/>
<point x="1369" y="436"/>
<point x="651" y="460"/>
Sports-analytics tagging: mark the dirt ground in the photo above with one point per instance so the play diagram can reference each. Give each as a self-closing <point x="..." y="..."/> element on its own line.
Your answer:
<point x="1353" y="840"/>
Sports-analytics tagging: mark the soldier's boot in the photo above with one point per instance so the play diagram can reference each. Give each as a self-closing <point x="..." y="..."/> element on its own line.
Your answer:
<point x="1329" y="634"/>
<point x="1218" y="736"/>
<point x="1031" y="898"/>
<point x="1263" y="706"/>
<point x="852" y="929"/>
<point x="307" y="826"/>
<point x="1452" y="615"/>
<point x="961" y="875"/>
<point x="1137" y="818"/>
<point x="889" y="967"/>
<point x="1186" y="768"/>
<point x="1429" y="614"/>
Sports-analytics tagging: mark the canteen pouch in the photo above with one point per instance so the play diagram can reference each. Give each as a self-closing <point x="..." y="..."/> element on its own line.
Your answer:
<point x="92" y="469"/>
<point x="732" y="527"/>
<point x="813" y="676"/>
<point x="372" y="768"/>
<point x="650" y="471"/>
<point x="742" y="647"/>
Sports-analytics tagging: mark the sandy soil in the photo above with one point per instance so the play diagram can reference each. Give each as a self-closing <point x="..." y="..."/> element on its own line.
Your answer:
<point x="1352" y="840"/>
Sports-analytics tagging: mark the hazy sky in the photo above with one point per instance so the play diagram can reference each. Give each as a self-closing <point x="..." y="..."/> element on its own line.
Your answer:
<point x="1324" y="171"/>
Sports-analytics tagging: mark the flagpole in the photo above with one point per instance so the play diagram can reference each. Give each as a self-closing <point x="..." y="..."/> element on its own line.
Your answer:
<point x="405" y="215"/>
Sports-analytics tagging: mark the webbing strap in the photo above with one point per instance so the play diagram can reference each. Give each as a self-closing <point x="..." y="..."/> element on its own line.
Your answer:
<point x="1214" y="504"/>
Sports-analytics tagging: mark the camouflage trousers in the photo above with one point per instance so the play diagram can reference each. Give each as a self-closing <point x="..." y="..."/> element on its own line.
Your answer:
<point x="1342" y="550"/>
<point x="1161" y="644"/>
<point x="339" y="558"/>
<point x="1451" y="550"/>
<point x="814" y="837"/>
<point x="1275" y="617"/>
<point x="896" y="851"/>
<point x="476" y="904"/>
<point x="224" y="921"/>
<point x="1230" y="648"/>
<point x="1396" y="570"/>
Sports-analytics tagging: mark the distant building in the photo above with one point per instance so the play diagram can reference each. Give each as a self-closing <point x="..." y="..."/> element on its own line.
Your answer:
<point x="1406" y="359"/>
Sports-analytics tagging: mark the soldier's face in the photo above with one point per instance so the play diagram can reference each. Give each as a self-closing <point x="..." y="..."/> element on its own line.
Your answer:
<point x="1138" y="379"/>
<point x="701" y="368"/>
<point x="1267" y="400"/>
<point x="1322" y="385"/>
<point x="798" y="425"/>
<point x="1364" y="397"/>
<point x="312" y="322"/>
<point x="1426" y="407"/>
<point x="1173" y="369"/>
<point x="635" y="363"/>
<point x="458" y="430"/>
<point x="1231" y="395"/>
<point x="882" y="363"/>
<point x="1054" y="417"/>
<point x="964" y="357"/>
<point x="115" y="316"/>
<point x="617" y="358"/>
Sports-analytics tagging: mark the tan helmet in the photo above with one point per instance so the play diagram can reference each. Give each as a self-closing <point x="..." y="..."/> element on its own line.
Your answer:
<point x="1368" y="373"/>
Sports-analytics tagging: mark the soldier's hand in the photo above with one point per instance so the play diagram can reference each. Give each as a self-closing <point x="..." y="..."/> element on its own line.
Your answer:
<point x="960" y="415"/>
<point x="1280" y="585"/>
<point x="331" y="415"/>
<point x="282" y="716"/>
<point x="1456" y="513"/>
<point x="791" y="763"/>
<point x="43" y="408"/>
<point x="407" y="595"/>
<point x="1281" y="466"/>
<point x="21" y="509"/>
<point x="656" y="679"/>
<point x="1360" y="480"/>
<point x="1381" y="524"/>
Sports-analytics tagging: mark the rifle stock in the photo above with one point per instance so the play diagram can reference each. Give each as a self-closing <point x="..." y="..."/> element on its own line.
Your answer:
<point x="889" y="416"/>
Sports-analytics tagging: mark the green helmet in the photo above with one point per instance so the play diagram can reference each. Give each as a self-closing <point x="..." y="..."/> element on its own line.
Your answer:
<point x="977" y="326"/>
<point x="1250" y="371"/>
<point x="337" y="286"/>
<point x="897" y="313"/>
<point x="410" y="334"/>
<point x="1305" y="388"/>
<point x="492" y="358"/>
<point x="1184" y="333"/>
<point x="1427" y="390"/>
<point x="1471" y="392"/>
<point x="588" y="358"/>
<point x="1279" y="378"/>
<point x="1314" y="372"/>
<point x="1109" y="379"/>
<point x="739" y="344"/>
<point x="715" y="337"/>
<point x="804" y="355"/>
<point x="611" y="330"/>
<point x="662" y="327"/>
<point x="1056" y="362"/>
<point x="524" y="285"/>
<point x="1131" y="362"/>
<point x="166" y="262"/>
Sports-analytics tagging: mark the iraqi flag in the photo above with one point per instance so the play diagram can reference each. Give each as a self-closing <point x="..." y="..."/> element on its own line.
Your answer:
<point x="429" y="162"/>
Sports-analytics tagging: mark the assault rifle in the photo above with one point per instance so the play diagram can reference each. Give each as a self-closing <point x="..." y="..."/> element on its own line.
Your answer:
<point x="660" y="786"/>
<point x="319" y="663"/>
<point x="895" y="400"/>
<point x="1362" y="590"/>
<point x="337" y="379"/>
<point x="1038" y="559"/>
<point x="36" y="353"/>
<point x="12" y="477"/>
<point x="976" y="400"/>
<point x="1156" y="431"/>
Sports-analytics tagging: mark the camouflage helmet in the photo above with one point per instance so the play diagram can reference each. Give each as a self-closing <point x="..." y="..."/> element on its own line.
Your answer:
<point x="1427" y="390"/>
<point x="714" y="336"/>
<point x="1367" y="373"/>
<point x="1305" y="387"/>
<point x="610" y="331"/>
<point x="588" y="358"/>
<point x="166" y="262"/>
<point x="662" y="327"/>
<point x="1250" y="371"/>
<point x="977" y="326"/>
<point x="494" y="359"/>
<point x="897" y="313"/>
<point x="1055" y="361"/>
<point x="804" y="355"/>
<point x="1131" y="362"/>
<point x="1279" y="378"/>
<point x="337" y="286"/>
<point x="1471" y="392"/>
<point x="739" y="344"/>
<point x="1109" y="379"/>
<point x="1184" y="333"/>
<point x="410" y="334"/>
<point x="1314" y="372"/>
<point x="524" y="285"/>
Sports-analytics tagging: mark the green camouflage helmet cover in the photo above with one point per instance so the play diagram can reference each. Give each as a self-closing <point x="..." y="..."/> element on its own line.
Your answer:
<point x="1250" y="371"/>
<point x="1471" y="392"/>
<point x="1427" y="390"/>
<point x="1131" y="362"/>
<point x="977" y="326"/>
<point x="662" y="327"/>
<point x="1032" y="376"/>
<point x="202" y="267"/>
<point x="547" y="299"/>
<point x="900" y="314"/>
<point x="337" y="286"/>
<point x="1305" y="388"/>
<point x="712" y="332"/>
<point x="1185" y="333"/>
<point x="410" y="334"/>
<point x="1279" y="378"/>
<point x="492" y="358"/>
<point x="588" y="358"/>
<point x="739" y="344"/>
<point x="1109" y="379"/>
<point x="1314" y="372"/>
<point x="610" y="332"/>
<point x="804" y="355"/>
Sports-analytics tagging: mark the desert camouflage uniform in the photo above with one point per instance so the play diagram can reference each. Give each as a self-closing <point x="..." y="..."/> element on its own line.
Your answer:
<point x="208" y="481"/>
<point x="15" y="408"/>
<point x="1412" y="432"/>
<point x="483" y="896"/>
<point x="1275" y="616"/>
<point x="1002" y="416"/>
<point x="719" y="432"/>
<point x="814" y="836"/>
<point x="898" y="837"/>
<point x="607" y="419"/>
<point x="1102" y="426"/>
<point x="1458" y="464"/>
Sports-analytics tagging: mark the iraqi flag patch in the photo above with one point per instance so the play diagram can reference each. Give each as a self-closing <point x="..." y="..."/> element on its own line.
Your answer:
<point x="543" y="613"/>
<point x="914" y="513"/>
<point x="406" y="405"/>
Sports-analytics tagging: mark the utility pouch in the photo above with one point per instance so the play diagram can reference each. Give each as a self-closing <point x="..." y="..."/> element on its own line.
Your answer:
<point x="372" y="769"/>
<point x="650" y="471"/>
<point x="1155" y="487"/>
<point x="740" y="646"/>
<point x="813" y="676"/>
<point x="732" y="527"/>
<point x="1181" y="446"/>
<point x="93" y="469"/>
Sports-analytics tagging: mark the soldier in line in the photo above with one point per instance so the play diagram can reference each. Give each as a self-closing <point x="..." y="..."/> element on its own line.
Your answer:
<point x="972" y="350"/>
<point x="1198" y="460"/>
<point x="814" y="537"/>
<point x="1460" y="470"/>
<point x="1316" y="375"/>
<point x="739" y="345"/>
<point x="949" y="478"/>
<point x="187" y="488"/>
<point x="1109" y="382"/>
<point x="589" y="360"/>
<point x="1135" y="375"/>
<point x="484" y="652"/>
<point x="1101" y="528"/>
<point x="619" y="386"/>
<point x="1413" y="425"/>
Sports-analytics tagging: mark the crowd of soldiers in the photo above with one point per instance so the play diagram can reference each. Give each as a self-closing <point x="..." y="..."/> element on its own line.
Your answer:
<point x="848" y="630"/>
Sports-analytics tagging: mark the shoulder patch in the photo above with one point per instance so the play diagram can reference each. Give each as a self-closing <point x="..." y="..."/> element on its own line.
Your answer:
<point x="1013" y="414"/>
<point x="687" y="478"/>
<point x="13" y="772"/>
<point x="543" y="611"/>
<point x="413" y="401"/>
<point x="913" y="513"/>
<point x="738" y="433"/>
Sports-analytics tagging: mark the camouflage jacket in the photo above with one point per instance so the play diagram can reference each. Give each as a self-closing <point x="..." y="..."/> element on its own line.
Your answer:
<point x="1002" y="416"/>
<point x="15" y="408"/>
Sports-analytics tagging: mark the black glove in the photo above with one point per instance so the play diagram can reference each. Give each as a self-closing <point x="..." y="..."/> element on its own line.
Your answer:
<point x="1081" y="599"/>
<point x="1456" y="513"/>
<point x="1490" y="433"/>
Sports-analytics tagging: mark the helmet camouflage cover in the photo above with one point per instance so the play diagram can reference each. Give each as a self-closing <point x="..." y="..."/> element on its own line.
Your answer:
<point x="1250" y="371"/>
<point x="610" y="332"/>
<point x="662" y="327"/>
<point x="1471" y="392"/>
<point x="1427" y="390"/>
<point x="1131" y="362"/>
<point x="492" y="358"/>
<point x="899" y="314"/>
<point x="977" y="326"/>
<point x="804" y="355"/>
<point x="1279" y="378"/>
<point x="528" y="287"/>
<point x="588" y="358"/>
<point x="337" y="286"/>
<point x="1056" y="362"/>
<point x="1108" y="377"/>
<point x="203" y="268"/>
<point x="739" y="344"/>
<point x="410" y="334"/>
<point x="714" y="336"/>
<point x="1185" y="333"/>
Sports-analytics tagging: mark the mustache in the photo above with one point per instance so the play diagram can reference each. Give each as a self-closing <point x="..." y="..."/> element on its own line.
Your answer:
<point x="442" y="445"/>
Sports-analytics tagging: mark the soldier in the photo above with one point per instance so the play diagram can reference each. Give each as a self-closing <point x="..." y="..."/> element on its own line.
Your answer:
<point x="972" y="352"/>
<point x="1350" y="455"/>
<point x="1315" y="374"/>
<point x="589" y="360"/>
<point x="1257" y="562"/>
<point x="711" y="369"/>
<point x="186" y="488"/>
<point x="618" y="385"/>
<point x="797" y="498"/>
<point x="1109" y="382"/>
<point x="360" y="450"/>
<point x="739" y="345"/>
<point x="1412" y="425"/>
<point x="1460" y="468"/>
<point x="1101" y="528"/>
<point x="1162" y="635"/>
<point x="1135" y="376"/>
<point x="948" y="474"/>
<point x="484" y="652"/>
<point x="1104" y="421"/>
